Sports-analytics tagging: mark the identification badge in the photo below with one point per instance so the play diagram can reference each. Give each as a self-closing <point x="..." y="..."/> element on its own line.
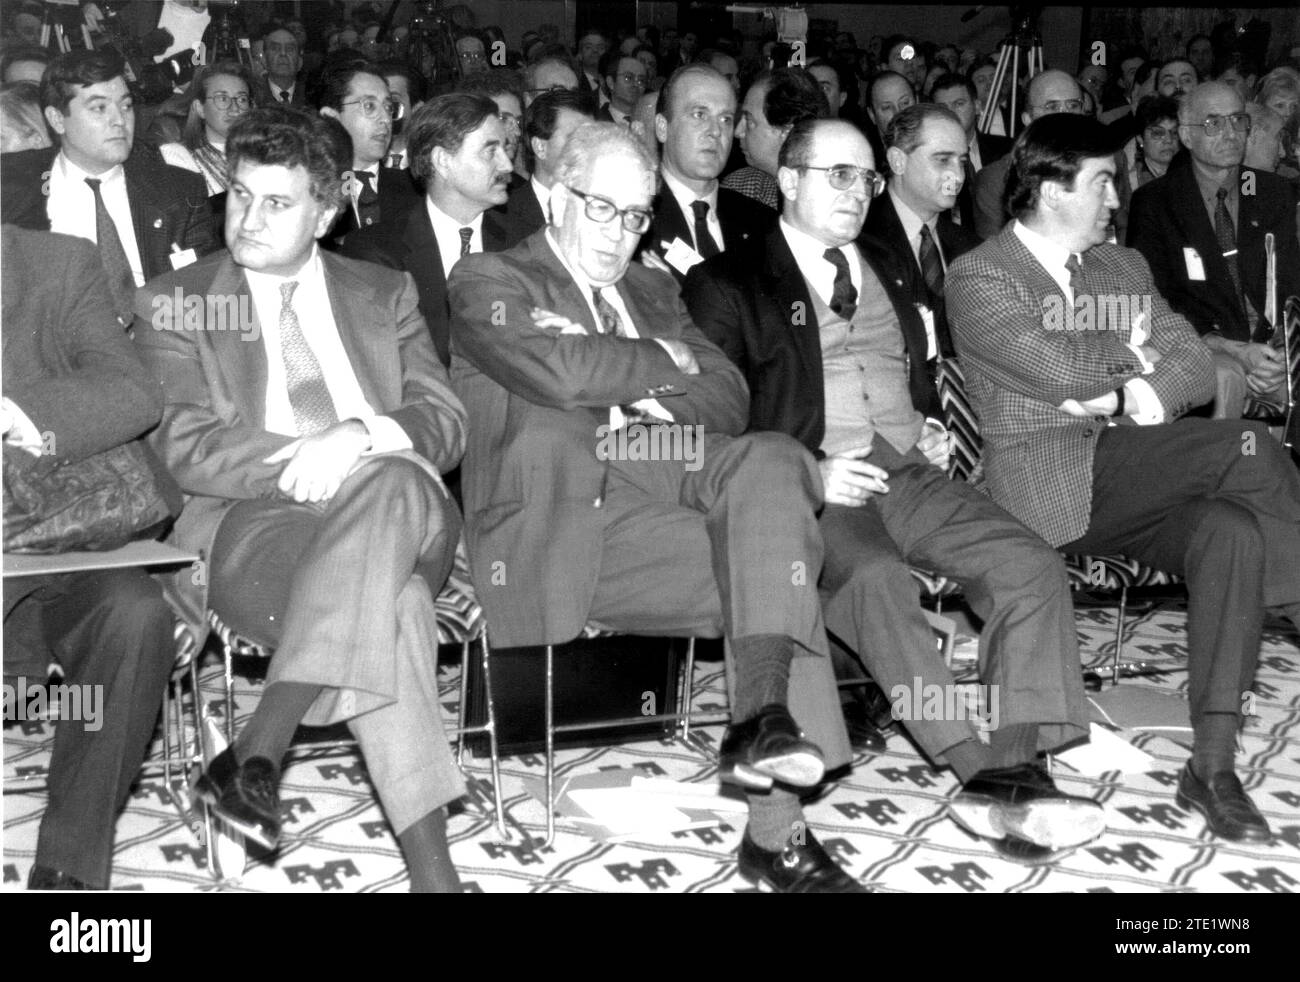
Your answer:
<point x="1195" y="267"/>
<point x="182" y="258"/>
<point x="682" y="257"/>
<point x="931" y="337"/>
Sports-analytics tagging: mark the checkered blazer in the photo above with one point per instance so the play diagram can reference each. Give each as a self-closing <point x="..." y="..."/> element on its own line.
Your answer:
<point x="1021" y="363"/>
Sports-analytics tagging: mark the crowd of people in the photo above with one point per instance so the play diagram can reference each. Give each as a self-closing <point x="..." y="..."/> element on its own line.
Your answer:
<point x="362" y="309"/>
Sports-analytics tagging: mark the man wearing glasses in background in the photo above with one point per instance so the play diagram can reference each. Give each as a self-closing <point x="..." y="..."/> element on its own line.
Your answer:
<point x="625" y="78"/>
<point x="1201" y="227"/>
<point x="559" y="344"/>
<point x="834" y="353"/>
<point x="548" y="75"/>
<point x="359" y="98"/>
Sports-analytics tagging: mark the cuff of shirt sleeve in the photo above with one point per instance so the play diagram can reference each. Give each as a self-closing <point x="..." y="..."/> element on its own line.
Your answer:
<point x="1147" y="365"/>
<point x="21" y="432"/>
<point x="1149" y="409"/>
<point x="654" y="408"/>
<point x="386" y="435"/>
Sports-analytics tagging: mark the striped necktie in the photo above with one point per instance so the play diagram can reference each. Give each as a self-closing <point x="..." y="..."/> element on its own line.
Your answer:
<point x="931" y="266"/>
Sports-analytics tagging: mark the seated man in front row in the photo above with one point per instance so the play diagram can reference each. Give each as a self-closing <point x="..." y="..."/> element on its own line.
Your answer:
<point x="1214" y="501"/>
<point x="557" y="345"/>
<point x="835" y="355"/>
<point x="307" y="418"/>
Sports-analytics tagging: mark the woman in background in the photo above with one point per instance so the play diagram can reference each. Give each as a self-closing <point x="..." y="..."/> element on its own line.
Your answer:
<point x="219" y="95"/>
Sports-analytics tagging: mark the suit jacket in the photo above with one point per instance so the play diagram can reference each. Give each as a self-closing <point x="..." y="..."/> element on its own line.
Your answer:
<point x="408" y="244"/>
<point x="743" y="301"/>
<point x="213" y="384"/>
<point x="169" y="205"/>
<point x="1021" y="364"/>
<point x="538" y="400"/>
<point x="1168" y="216"/>
<point x="262" y="93"/>
<point x="397" y="196"/>
<point x="884" y="225"/>
<point x="520" y="216"/>
<point x="992" y="147"/>
<point x="741" y="217"/>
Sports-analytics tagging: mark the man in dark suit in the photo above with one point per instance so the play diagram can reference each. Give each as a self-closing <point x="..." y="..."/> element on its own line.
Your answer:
<point x="548" y="121"/>
<point x="457" y="148"/>
<point x="927" y="154"/>
<point x="625" y="79"/>
<point x="695" y="218"/>
<point x="358" y="97"/>
<point x="308" y="419"/>
<point x="146" y="216"/>
<point x="837" y="361"/>
<point x="957" y="92"/>
<point x="1062" y="335"/>
<point x="73" y="387"/>
<point x="565" y="350"/>
<point x="1202" y="228"/>
<point x="283" y="84"/>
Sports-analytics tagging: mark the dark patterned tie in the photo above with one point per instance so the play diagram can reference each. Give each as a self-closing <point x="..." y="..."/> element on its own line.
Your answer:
<point x="844" y="297"/>
<point x="964" y="213"/>
<point x="121" y="283"/>
<point x="367" y="200"/>
<point x="395" y="161"/>
<point x="1227" y="236"/>
<point x="309" y="397"/>
<point x="465" y="235"/>
<point x="1076" y="275"/>
<point x="705" y="244"/>
<point x="611" y="323"/>
<point x="931" y="266"/>
<point x="286" y="95"/>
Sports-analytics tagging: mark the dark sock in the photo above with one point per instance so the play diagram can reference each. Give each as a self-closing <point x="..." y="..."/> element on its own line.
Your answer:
<point x="967" y="759"/>
<point x="1290" y="611"/>
<point x="269" y="732"/>
<point x="1013" y="744"/>
<point x="762" y="672"/>
<point x="1214" y="743"/>
<point x="428" y="857"/>
<point x="774" y="819"/>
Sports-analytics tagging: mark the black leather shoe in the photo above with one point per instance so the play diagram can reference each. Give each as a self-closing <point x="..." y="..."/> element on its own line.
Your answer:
<point x="1224" y="804"/>
<point x="864" y="734"/>
<point x="245" y="795"/>
<point x="806" y="868"/>
<point x="44" y="878"/>
<point x="1016" y="850"/>
<point x="1024" y="803"/>
<point x="769" y="747"/>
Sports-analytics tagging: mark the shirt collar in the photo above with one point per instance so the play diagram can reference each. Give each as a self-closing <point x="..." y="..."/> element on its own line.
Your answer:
<point x="448" y="225"/>
<point x="311" y="271"/>
<point x="1210" y="190"/>
<point x="809" y="252"/>
<point x="911" y="220"/>
<point x="584" y="284"/>
<point x="74" y="173"/>
<point x="543" y="195"/>
<point x="685" y="196"/>
<point x="1053" y="257"/>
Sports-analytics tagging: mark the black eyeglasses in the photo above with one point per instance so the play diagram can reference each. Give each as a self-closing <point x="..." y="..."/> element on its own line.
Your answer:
<point x="223" y="101"/>
<point x="844" y="176"/>
<point x="602" y="210"/>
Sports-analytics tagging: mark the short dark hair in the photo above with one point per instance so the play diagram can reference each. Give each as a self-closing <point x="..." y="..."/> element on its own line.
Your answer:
<point x="70" y="71"/>
<point x="338" y="78"/>
<point x="793" y="95"/>
<point x="415" y="83"/>
<point x="287" y="137"/>
<point x="494" y="81"/>
<point x="1153" y="108"/>
<point x="904" y="130"/>
<point x="950" y="80"/>
<point x="444" y="121"/>
<point x="542" y="116"/>
<point x="1052" y="148"/>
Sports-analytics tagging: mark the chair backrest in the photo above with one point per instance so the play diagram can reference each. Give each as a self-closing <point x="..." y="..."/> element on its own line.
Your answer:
<point x="961" y="420"/>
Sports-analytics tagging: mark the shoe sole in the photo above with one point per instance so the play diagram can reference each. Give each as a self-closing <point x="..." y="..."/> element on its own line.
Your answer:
<point x="206" y="793"/>
<point x="1046" y="860"/>
<point x="1050" y="823"/>
<point x="800" y="770"/>
<point x="1188" y="804"/>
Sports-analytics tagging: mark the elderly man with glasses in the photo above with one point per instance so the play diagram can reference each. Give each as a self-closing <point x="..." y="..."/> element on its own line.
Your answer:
<point x="1202" y="229"/>
<point x="567" y="353"/>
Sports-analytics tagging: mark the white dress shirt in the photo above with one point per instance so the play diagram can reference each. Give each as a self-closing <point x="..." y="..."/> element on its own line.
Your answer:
<point x="685" y="196"/>
<point x="1052" y="258"/>
<point x="311" y="303"/>
<point x="810" y="255"/>
<point x="276" y="91"/>
<point x="543" y="195"/>
<point x="446" y="230"/>
<point x="71" y="207"/>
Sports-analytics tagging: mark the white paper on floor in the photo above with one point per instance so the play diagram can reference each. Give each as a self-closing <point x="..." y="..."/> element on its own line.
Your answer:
<point x="1106" y="752"/>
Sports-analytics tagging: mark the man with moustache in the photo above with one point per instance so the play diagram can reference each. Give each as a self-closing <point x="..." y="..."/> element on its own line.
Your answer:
<point x="457" y="144"/>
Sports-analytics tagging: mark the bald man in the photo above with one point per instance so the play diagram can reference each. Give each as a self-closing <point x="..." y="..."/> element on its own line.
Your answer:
<point x="1201" y="227"/>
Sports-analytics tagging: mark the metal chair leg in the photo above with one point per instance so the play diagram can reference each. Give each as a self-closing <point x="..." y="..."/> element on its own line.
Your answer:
<point x="230" y="695"/>
<point x="688" y="690"/>
<point x="462" y="717"/>
<point x="550" y="746"/>
<point x="494" y="753"/>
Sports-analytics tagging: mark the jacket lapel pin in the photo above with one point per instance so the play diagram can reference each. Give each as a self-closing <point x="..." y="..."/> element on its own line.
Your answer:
<point x="157" y="223"/>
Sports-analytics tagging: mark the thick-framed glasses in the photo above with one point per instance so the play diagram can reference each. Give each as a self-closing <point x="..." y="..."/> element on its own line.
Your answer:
<point x="844" y="176"/>
<point x="602" y="210"/>
<point x="1218" y="125"/>
<point x="1159" y="134"/>
<point x="1063" y="106"/>
<point x="472" y="54"/>
<point x="372" y="108"/>
<point x="628" y="78"/>
<point x="223" y="101"/>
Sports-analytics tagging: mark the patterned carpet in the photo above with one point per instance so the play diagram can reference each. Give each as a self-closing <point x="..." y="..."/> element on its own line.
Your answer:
<point x="886" y="821"/>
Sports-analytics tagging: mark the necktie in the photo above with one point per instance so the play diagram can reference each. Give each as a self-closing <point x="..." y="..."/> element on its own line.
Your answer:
<point x="844" y="298"/>
<point x="931" y="266"/>
<point x="121" y="284"/>
<point x="309" y="397"/>
<point x="611" y="323"/>
<point x="395" y="161"/>
<point x="964" y="213"/>
<point x="286" y="95"/>
<point x="367" y="200"/>
<point x="1227" y="236"/>
<point x="465" y="235"/>
<point x="704" y="242"/>
<point x="1076" y="275"/>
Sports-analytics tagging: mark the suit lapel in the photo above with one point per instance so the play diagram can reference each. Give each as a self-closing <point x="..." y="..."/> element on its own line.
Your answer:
<point x="243" y="362"/>
<point x="351" y="302"/>
<point x="670" y="223"/>
<point x="1193" y="222"/>
<point x="784" y="280"/>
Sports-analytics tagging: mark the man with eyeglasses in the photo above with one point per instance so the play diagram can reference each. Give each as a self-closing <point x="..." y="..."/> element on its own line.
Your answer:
<point x="625" y="79"/>
<point x="695" y="217"/>
<point x="502" y="85"/>
<point x="100" y="184"/>
<point x="548" y="75"/>
<point x="834" y="352"/>
<point x="358" y="97"/>
<point x="1082" y="373"/>
<point x="472" y="54"/>
<point x="1202" y="228"/>
<point x="563" y="343"/>
<point x="283" y="55"/>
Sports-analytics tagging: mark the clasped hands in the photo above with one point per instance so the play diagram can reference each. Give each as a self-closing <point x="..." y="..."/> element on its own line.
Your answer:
<point x="316" y="466"/>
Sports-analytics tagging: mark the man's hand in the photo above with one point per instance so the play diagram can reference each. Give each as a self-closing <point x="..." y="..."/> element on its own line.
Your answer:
<point x="936" y="444"/>
<point x="849" y="480"/>
<point x="652" y="260"/>
<point x="1265" y="367"/>
<point x="1150" y="353"/>
<point x="317" y="465"/>
<point x="1100" y="406"/>
<point x="546" y="318"/>
<point x="681" y="354"/>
